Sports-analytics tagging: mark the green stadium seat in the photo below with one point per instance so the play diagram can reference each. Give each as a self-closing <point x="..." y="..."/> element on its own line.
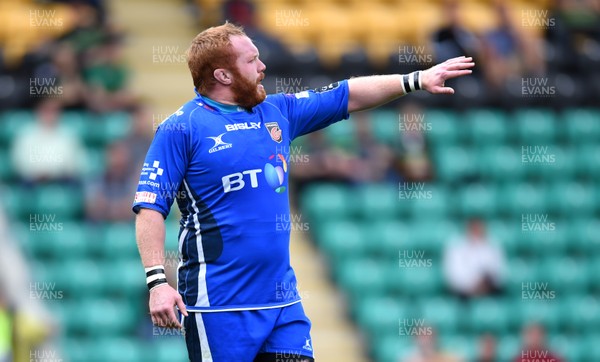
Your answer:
<point x="454" y="164"/>
<point x="581" y="313"/>
<point x="587" y="162"/>
<point x="168" y="350"/>
<point x="460" y="346"/>
<point x="443" y="314"/>
<point x="423" y="279"/>
<point x="431" y="235"/>
<point x="488" y="315"/>
<point x="385" y="126"/>
<point x="487" y="126"/>
<point x="108" y="317"/>
<point x="509" y="347"/>
<point x="584" y="235"/>
<point x="119" y="349"/>
<point x="63" y="202"/>
<point x="361" y="277"/>
<point x="573" y="198"/>
<point x="342" y="134"/>
<point x="543" y="311"/>
<point x="581" y="125"/>
<point x="327" y="202"/>
<point x="78" y="349"/>
<point x="445" y="127"/>
<point x="78" y="122"/>
<point x="7" y="171"/>
<point x="14" y="122"/>
<point x="128" y="279"/>
<point x="517" y="199"/>
<point x="567" y="348"/>
<point x="521" y="271"/>
<point x="108" y="127"/>
<point x="506" y="234"/>
<point x="590" y="346"/>
<point x="118" y="241"/>
<point x="95" y="162"/>
<point x="477" y="200"/>
<point x="542" y="237"/>
<point x="432" y="201"/>
<point x="383" y="316"/>
<point x="564" y="274"/>
<point x="80" y="277"/>
<point x="393" y="348"/>
<point x="535" y="126"/>
<point x="66" y="240"/>
<point x="343" y="239"/>
<point x="501" y="163"/>
<point x="377" y="201"/>
<point x="387" y="238"/>
<point x="16" y="201"/>
<point x="562" y="166"/>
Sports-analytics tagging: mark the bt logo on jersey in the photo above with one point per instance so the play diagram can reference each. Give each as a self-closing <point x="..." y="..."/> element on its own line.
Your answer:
<point x="274" y="175"/>
<point x="235" y="181"/>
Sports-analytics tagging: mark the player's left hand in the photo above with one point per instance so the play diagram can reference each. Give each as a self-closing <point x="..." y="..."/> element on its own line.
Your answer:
<point x="432" y="79"/>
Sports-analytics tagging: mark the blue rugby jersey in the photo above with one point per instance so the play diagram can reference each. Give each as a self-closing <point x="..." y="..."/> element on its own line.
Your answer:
<point x="229" y="175"/>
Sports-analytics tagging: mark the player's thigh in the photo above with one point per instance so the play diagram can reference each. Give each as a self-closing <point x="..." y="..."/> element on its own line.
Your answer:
<point x="227" y="336"/>
<point x="290" y="340"/>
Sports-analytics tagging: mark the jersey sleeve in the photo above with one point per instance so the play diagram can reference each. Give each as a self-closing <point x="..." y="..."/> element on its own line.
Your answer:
<point x="164" y="166"/>
<point x="312" y="110"/>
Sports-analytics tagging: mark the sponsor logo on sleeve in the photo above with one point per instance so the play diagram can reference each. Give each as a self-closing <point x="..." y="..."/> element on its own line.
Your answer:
<point x="145" y="196"/>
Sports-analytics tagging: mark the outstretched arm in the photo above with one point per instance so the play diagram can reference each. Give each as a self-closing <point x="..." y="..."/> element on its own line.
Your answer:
<point x="373" y="91"/>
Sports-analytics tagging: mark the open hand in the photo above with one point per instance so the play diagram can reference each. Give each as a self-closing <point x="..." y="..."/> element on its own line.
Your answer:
<point x="432" y="79"/>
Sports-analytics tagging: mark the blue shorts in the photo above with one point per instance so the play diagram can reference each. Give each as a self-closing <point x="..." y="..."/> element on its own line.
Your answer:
<point x="241" y="335"/>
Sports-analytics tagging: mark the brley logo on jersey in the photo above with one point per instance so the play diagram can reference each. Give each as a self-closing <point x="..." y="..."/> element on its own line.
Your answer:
<point x="219" y="144"/>
<point x="241" y="126"/>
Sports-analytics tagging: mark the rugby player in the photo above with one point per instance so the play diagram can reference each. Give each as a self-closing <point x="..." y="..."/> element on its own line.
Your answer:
<point x="223" y="157"/>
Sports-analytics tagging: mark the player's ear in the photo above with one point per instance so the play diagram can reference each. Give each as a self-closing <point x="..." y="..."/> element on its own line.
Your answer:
<point x="223" y="76"/>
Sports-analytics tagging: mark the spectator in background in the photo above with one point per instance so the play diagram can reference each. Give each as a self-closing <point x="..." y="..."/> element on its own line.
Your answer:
<point x="453" y="39"/>
<point x="508" y="50"/>
<point x="487" y="349"/>
<point x="427" y="350"/>
<point x="45" y="151"/>
<point x="473" y="264"/>
<point x="108" y="197"/>
<point x="106" y="76"/>
<point x="65" y="68"/>
<point x="414" y="162"/>
<point x="272" y="51"/>
<point x="140" y="135"/>
<point x="534" y="346"/>
<point x="375" y="159"/>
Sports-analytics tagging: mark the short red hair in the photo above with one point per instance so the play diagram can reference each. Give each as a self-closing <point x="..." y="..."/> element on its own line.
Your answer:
<point x="210" y="50"/>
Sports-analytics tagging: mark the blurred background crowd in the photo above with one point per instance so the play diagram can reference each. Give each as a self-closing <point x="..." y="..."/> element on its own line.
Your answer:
<point x="462" y="228"/>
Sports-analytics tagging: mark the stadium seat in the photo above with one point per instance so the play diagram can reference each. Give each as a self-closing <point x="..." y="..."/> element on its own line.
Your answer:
<point x="581" y="313"/>
<point x="590" y="346"/>
<point x="63" y="202"/>
<point x="573" y="198"/>
<point x="385" y="126"/>
<point x="444" y="314"/>
<point x="445" y="127"/>
<point x="581" y="125"/>
<point x="342" y="134"/>
<point x="388" y="237"/>
<point x="508" y="347"/>
<point x="128" y="279"/>
<point x="587" y="162"/>
<point x="327" y="202"/>
<point x="454" y="163"/>
<point x="168" y="350"/>
<point x="108" y="317"/>
<point x="546" y="312"/>
<point x="383" y="316"/>
<point x="423" y="279"/>
<point x="13" y="122"/>
<point x="535" y="126"/>
<point x="6" y="169"/>
<point x="431" y="235"/>
<point x="378" y="201"/>
<point x="485" y="315"/>
<point x="118" y="241"/>
<point x="477" y="200"/>
<point x="518" y="199"/>
<point x="433" y="201"/>
<point x="119" y="349"/>
<point x="80" y="277"/>
<point x="584" y="235"/>
<point x="460" y="346"/>
<point x="500" y="163"/>
<point x="361" y="277"/>
<point x="16" y="201"/>
<point x="343" y="239"/>
<point x="505" y="234"/>
<point x="66" y="240"/>
<point x="392" y="348"/>
<point x="521" y="271"/>
<point x="487" y="126"/>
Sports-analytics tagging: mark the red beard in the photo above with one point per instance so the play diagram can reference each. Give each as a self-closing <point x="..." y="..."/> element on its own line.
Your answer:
<point x="246" y="93"/>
